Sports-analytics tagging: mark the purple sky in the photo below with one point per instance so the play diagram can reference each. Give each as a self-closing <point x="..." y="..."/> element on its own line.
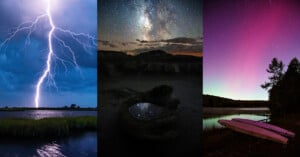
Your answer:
<point x="240" y="39"/>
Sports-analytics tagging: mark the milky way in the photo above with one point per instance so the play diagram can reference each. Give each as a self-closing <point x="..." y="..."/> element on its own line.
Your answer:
<point x="156" y="20"/>
<point x="124" y="24"/>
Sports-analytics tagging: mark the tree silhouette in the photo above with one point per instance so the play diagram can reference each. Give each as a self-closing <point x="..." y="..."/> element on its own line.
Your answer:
<point x="284" y="95"/>
<point x="294" y="67"/>
<point x="72" y="106"/>
<point x="276" y="69"/>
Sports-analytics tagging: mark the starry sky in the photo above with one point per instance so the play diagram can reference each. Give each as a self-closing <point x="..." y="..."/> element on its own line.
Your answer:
<point x="240" y="39"/>
<point x="22" y="59"/>
<point x="136" y="26"/>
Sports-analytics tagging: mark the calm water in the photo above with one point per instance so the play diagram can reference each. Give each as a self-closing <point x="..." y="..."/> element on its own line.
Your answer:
<point x="145" y="111"/>
<point x="84" y="145"/>
<point x="258" y="114"/>
<point x="235" y="110"/>
<point x="39" y="114"/>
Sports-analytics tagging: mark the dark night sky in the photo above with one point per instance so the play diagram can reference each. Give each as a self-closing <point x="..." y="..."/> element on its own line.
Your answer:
<point x="22" y="63"/>
<point x="136" y="26"/>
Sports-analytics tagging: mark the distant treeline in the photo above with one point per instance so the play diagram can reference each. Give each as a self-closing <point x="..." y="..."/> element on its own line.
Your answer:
<point x="215" y="101"/>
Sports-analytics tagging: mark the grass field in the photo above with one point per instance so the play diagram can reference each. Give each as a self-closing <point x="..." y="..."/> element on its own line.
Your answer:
<point x="46" y="128"/>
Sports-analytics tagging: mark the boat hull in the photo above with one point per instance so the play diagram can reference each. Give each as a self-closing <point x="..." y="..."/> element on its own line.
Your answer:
<point x="253" y="131"/>
<point x="267" y="126"/>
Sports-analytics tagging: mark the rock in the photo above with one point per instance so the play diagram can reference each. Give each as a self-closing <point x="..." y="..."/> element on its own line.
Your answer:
<point x="150" y="115"/>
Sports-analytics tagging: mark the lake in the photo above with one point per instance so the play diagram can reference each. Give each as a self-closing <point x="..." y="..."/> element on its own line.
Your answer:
<point x="211" y="122"/>
<point x="83" y="145"/>
<point x="39" y="114"/>
<point x="208" y="111"/>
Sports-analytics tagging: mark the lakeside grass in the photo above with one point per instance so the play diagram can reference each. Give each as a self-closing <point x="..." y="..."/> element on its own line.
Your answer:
<point x="47" y="127"/>
<point x="225" y="142"/>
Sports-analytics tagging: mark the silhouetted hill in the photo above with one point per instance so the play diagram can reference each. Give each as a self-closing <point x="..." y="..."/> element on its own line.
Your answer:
<point x="215" y="101"/>
<point x="152" y="62"/>
<point x="153" y="56"/>
<point x="154" y="53"/>
<point x="110" y="56"/>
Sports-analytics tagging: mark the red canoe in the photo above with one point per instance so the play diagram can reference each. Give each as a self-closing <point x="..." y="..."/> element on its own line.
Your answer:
<point x="253" y="131"/>
<point x="267" y="126"/>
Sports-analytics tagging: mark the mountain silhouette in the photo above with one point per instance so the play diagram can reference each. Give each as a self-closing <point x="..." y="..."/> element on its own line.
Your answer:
<point x="151" y="62"/>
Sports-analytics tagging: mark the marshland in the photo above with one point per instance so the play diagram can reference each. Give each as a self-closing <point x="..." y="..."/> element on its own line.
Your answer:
<point x="48" y="131"/>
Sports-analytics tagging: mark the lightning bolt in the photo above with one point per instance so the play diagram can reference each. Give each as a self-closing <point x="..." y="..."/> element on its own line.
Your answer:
<point x="47" y="71"/>
<point x="90" y="42"/>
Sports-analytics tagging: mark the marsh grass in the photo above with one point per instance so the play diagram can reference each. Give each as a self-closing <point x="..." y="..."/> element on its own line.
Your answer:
<point x="47" y="127"/>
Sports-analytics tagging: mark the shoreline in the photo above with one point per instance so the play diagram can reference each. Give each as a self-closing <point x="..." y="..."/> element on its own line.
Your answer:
<point x="211" y="112"/>
<point x="46" y="108"/>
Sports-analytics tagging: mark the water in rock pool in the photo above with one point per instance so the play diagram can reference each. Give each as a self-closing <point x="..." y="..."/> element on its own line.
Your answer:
<point x="145" y="111"/>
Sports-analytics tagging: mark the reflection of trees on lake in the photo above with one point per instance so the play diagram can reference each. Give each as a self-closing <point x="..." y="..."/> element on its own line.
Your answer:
<point x="284" y="87"/>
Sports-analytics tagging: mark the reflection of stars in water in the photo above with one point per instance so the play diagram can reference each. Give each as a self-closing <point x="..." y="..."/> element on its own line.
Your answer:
<point x="145" y="111"/>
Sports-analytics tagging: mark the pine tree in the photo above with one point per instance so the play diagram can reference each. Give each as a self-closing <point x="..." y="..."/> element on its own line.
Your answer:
<point x="276" y="69"/>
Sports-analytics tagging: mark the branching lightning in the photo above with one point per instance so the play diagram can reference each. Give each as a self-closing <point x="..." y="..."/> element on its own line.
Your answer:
<point x="47" y="72"/>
